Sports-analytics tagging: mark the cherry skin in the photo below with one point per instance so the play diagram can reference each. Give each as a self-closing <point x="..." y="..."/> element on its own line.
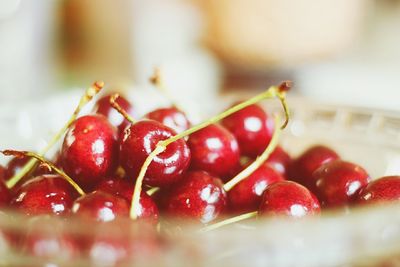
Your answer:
<point x="338" y="182"/>
<point x="289" y="199"/>
<point x="280" y="160"/>
<point x="137" y="143"/>
<point x="5" y="195"/>
<point x="198" y="197"/>
<point x="47" y="194"/>
<point x="253" y="129"/>
<point x="214" y="150"/>
<point x="13" y="167"/>
<point x="171" y="117"/>
<point x="101" y="207"/>
<point x="120" y="187"/>
<point x="246" y="195"/>
<point x="2" y="172"/>
<point x="90" y="150"/>
<point x="104" y="107"/>
<point x="385" y="189"/>
<point x="302" y="169"/>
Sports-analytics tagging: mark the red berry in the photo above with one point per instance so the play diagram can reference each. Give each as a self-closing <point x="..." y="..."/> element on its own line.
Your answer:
<point x="214" y="150"/>
<point x="90" y="150"/>
<point x="338" y="182"/>
<point x="101" y="207"/>
<point x="47" y="194"/>
<point x="246" y="195"/>
<point x="198" y="197"/>
<point x="303" y="167"/>
<point x="140" y="139"/>
<point x="122" y="188"/>
<point x="289" y="199"/>
<point x="385" y="189"/>
<point x="253" y="129"/>
<point x="5" y="195"/>
<point x="104" y="107"/>
<point x="280" y="160"/>
<point x="2" y="172"/>
<point x="171" y="117"/>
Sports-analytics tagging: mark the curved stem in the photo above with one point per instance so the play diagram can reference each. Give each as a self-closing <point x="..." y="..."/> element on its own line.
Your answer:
<point x="89" y="94"/>
<point x="47" y="163"/>
<point x="258" y="162"/>
<point x="117" y="107"/>
<point x="135" y="205"/>
<point x="229" y="221"/>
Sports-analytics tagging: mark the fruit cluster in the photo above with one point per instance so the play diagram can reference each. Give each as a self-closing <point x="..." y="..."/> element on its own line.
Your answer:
<point x="111" y="167"/>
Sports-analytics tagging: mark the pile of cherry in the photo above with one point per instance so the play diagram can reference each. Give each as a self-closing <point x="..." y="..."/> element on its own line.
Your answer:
<point x="104" y="154"/>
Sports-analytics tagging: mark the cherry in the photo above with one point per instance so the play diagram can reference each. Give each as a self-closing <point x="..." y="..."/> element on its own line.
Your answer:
<point x="122" y="188"/>
<point x="139" y="140"/>
<point x="338" y="182"/>
<point x="90" y="150"/>
<point x="5" y="195"/>
<point x="198" y="197"/>
<point x="101" y="207"/>
<point x="289" y="199"/>
<point x="171" y="117"/>
<point x="47" y="194"/>
<point x="214" y="150"/>
<point x="385" y="189"/>
<point x="14" y="166"/>
<point x="253" y="129"/>
<point x="280" y="160"/>
<point x="303" y="167"/>
<point x="246" y="195"/>
<point x="2" y="172"/>
<point x="103" y="107"/>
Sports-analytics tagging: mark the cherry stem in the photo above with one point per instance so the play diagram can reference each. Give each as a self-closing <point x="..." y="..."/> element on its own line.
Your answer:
<point x="30" y="165"/>
<point x="158" y="81"/>
<point x="135" y="205"/>
<point x="46" y="162"/>
<point x="152" y="191"/>
<point x="272" y="92"/>
<point x="229" y="221"/>
<point x="258" y="162"/>
<point x="117" y="107"/>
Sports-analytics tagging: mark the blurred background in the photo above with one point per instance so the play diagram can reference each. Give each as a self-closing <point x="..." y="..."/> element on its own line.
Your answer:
<point x="334" y="50"/>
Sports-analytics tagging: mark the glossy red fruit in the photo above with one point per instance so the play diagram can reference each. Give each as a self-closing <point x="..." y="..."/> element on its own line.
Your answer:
<point x="280" y="160"/>
<point x="214" y="150"/>
<point x="140" y="139"/>
<point x="198" y="197"/>
<point x="252" y="127"/>
<point x="14" y="166"/>
<point x="101" y="207"/>
<point x="385" y="189"/>
<point x="103" y="107"/>
<point x="122" y="188"/>
<point x="303" y="167"/>
<point x="47" y="194"/>
<point x="171" y="117"/>
<point x="246" y="195"/>
<point x="5" y="195"/>
<point x="289" y="199"/>
<point x="2" y="172"/>
<point x="90" y="150"/>
<point x="338" y="182"/>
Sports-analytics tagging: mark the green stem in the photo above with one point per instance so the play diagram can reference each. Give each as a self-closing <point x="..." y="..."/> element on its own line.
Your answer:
<point x="117" y="107"/>
<point x="89" y="94"/>
<point x="229" y="221"/>
<point x="259" y="161"/>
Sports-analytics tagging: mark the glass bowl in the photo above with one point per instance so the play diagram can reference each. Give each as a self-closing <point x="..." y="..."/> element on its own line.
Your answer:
<point x="362" y="237"/>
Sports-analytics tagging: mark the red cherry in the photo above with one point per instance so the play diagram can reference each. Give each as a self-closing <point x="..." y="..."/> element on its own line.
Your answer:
<point x="385" y="189"/>
<point x="171" y="117"/>
<point x="5" y="194"/>
<point x="303" y="167"/>
<point x="13" y="167"/>
<point x="90" y="150"/>
<point x="338" y="182"/>
<point x="253" y="129"/>
<point x="101" y="207"/>
<point x="2" y="172"/>
<point x="122" y="188"/>
<point x="289" y="199"/>
<point x="139" y="140"/>
<point x="47" y="194"/>
<point x="280" y="160"/>
<point x="103" y="107"/>
<point x="199" y="197"/>
<point x="214" y="150"/>
<point x="246" y="195"/>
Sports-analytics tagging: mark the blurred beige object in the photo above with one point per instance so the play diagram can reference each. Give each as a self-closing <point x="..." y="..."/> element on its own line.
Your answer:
<point x="261" y="33"/>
